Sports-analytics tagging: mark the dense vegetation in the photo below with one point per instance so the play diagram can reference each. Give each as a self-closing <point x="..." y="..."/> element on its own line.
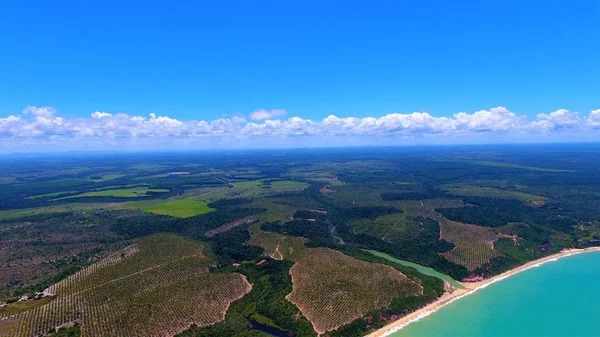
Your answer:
<point x="459" y="210"/>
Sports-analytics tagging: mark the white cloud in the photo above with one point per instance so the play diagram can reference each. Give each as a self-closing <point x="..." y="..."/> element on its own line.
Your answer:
<point x="43" y="126"/>
<point x="594" y="118"/>
<point x="262" y="114"/>
<point x="99" y="114"/>
<point x="44" y="111"/>
<point x="496" y="119"/>
<point x="561" y="119"/>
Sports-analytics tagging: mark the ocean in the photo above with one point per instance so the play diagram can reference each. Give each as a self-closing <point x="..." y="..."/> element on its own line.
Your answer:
<point x="558" y="298"/>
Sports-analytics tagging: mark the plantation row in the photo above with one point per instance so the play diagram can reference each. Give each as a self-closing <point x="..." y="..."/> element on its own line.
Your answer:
<point x="123" y="296"/>
<point x="474" y="245"/>
<point x="332" y="289"/>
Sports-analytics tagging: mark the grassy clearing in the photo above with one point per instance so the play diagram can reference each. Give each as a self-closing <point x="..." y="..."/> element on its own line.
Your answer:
<point x="252" y="183"/>
<point x="490" y="192"/>
<point x="122" y="193"/>
<point x="277" y="246"/>
<point x="180" y="208"/>
<point x="72" y="207"/>
<point x="317" y="176"/>
<point x="530" y="168"/>
<point x="359" y="195"/>
<point x="253" y="189"/>
<point x="149" y="167"/>
<point x="275" y="211"/>
<point x="288" y="185"/>
<point x="46" y="195"/>
<point x="22" y="306"/>
<point x="159" y="286"/>
<point x="105" y="177"/>
<point x="332" y="289"/>
<point x="279" y="185"/>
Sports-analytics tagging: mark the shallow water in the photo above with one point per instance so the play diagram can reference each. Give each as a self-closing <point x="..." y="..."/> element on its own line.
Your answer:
<point x="559" y="298"/>
<point x="418" y="267"/>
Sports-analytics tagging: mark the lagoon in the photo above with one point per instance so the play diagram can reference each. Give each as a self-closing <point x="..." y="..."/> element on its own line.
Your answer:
<point x="421" y="269"/>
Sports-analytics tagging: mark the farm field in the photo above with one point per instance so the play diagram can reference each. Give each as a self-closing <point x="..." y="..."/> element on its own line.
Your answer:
<point x="391" y="228"/>
<point x="159" y="285"/>
<point x="122" y="192"/>
<point x="523" y="167"/>
<point x="490" y="192"/>
<point x="180" y="208"/>
<point x="473" y="245"/>
<point x="331" y="289"/>
<point x="106" y="177"/>
<point x="288" y="186"/>
<point x="45" y="195"/>
<point x="45" y="210"/>
<point x="273" y="236"/>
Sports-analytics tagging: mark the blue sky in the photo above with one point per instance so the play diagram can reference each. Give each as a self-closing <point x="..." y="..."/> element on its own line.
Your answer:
<point x="205" y="60"/>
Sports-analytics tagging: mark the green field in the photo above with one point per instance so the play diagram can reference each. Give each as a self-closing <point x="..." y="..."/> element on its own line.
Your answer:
<point x="509" y="165"/>
<point x="490" y="192"/>
<point x="24" y="212"/>
<point x="251" y="183"/>
<point x="279" y="185"/>
<point x="121" y="192"/>
<point x="180" y="208"/>
<point x="105" y="177"/>
<point x="288" y="185"/>
<point x="38" y="196"/>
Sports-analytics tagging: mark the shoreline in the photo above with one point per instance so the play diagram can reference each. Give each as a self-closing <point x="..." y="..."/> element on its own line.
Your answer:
<point x="470" y="288"/>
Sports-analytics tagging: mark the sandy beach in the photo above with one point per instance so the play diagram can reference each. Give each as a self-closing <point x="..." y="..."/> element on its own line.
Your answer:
<point x="470" y="288"/>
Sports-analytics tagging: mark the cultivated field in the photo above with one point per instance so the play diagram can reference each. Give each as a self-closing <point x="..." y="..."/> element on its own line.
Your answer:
<point x="332" y="289"/>
<point x="121" y="192"/>
<point x="391" y="228"/>
<point x="158" y="286"/>
<point x="522" y="167"/>
<point x="63" y="219"/>
<point x="474" y="245"/>
<point x="490" y="192"/>
<point x="180" y="208"/>
<point x="105" y="177"/>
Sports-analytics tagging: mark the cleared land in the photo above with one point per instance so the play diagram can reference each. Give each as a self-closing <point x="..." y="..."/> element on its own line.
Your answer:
<point x="332" y="289"/>
<point x="229" y="226"/>
<point x="105" y="177"/>
<point x="121" y="192"/>
<point x="180" y="208"/>
<point x="277" y="246"/>
<point x="490" y="192"/>
<point x="23" y="212"/>
<point x="509" y="165"/>
<point x="288" y="185"/>
<point x="46" y="195"/>
<point x="157" y="287"/>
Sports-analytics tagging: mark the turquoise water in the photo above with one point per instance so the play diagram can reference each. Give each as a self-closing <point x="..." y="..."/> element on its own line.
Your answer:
<point x="418" y="267"/>
<point x="560" y="298"/>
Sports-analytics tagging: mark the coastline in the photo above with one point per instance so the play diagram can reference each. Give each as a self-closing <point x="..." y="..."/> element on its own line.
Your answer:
<point x="470" y="287"/>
